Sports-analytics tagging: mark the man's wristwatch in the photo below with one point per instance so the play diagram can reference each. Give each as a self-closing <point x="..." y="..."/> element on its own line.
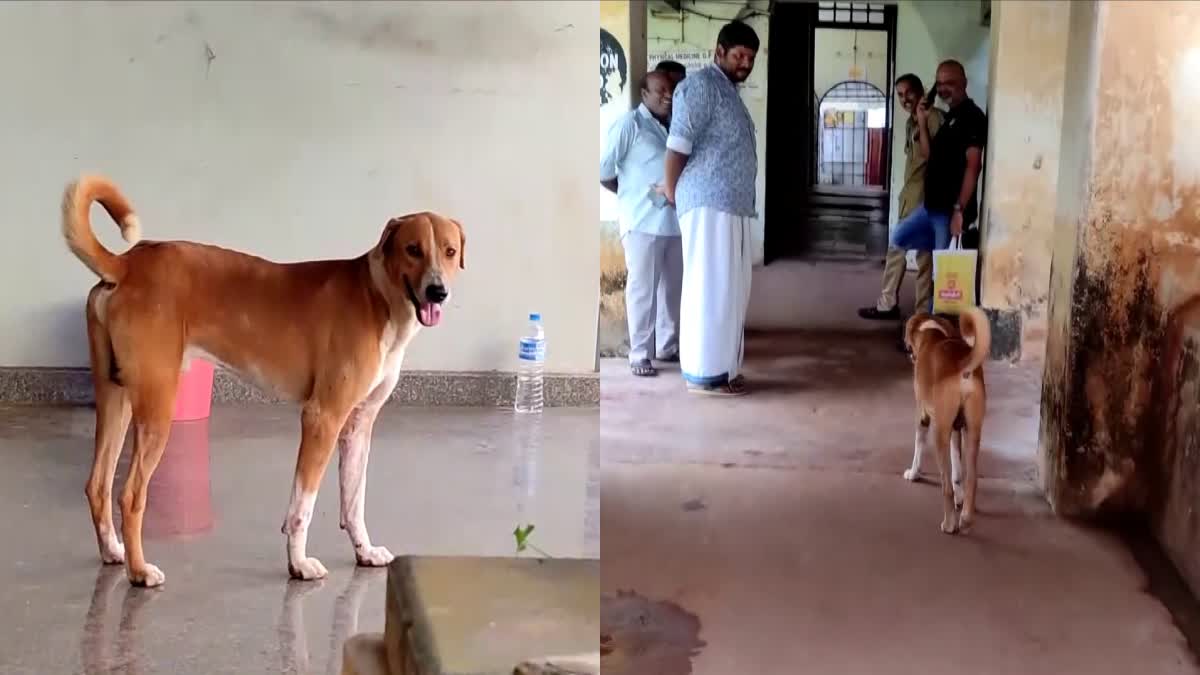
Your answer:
<point x="957" y="208"/>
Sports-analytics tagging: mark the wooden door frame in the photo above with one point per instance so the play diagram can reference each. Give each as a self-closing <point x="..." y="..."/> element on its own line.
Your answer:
<point x="785" y="138"/>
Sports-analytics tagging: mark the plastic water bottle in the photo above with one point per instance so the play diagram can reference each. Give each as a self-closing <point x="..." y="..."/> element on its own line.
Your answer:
<point x="532" y="361"/>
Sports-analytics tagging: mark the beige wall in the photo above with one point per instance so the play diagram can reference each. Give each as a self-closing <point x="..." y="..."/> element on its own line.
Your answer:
<point x="1029" y="53"/>
<point x="835" y="58"/>
<point x="293" y="131"/>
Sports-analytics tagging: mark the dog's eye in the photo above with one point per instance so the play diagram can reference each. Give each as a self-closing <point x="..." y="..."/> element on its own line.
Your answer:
<point x="413" y="250"/>
<point x="450" y="252"/>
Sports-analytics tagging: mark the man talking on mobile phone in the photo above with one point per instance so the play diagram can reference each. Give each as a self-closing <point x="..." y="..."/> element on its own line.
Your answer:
<point x="951" y="207"/>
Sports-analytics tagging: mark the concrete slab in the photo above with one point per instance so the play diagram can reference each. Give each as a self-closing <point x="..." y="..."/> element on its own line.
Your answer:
<point x="485" y="616"/>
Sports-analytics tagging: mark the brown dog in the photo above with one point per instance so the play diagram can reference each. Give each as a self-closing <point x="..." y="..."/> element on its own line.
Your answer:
<point x="951" y="397"/>
<point x="328" y="334"/>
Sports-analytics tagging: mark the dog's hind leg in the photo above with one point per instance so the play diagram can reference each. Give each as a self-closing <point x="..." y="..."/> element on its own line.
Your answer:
<point x="956" y="474"/>
<point x="942" y="430"/>
<point x="153" y="398"/>
<point x="914" y="472"/>
<point x="956" y="445"/>
<point x="148" y="348"/>
<point x="112" y="422"/>
<point x="974" y="435"/>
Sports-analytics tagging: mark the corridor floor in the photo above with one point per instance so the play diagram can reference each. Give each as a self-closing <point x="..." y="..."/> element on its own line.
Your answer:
<point x="440" y="481"/>
<point x="773" y="534"/>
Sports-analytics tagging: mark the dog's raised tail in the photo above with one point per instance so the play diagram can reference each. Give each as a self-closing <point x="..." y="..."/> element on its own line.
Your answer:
<point x="974" y="323"/>
<point x="77" y="224"/>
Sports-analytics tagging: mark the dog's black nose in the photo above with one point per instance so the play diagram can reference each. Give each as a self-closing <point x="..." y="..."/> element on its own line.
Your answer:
<point x="436" y="293"/>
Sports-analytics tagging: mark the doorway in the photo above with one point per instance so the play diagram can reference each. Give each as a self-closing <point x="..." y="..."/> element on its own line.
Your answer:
<point x="829" y="119"/>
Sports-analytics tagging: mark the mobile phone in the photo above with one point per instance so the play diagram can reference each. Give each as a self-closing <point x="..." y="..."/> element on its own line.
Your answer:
<point x="656" y="199"/>
<point x="931" y="96"/>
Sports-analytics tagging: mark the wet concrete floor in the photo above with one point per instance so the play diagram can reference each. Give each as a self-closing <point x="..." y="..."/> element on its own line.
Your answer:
<point x="440" y="482"/>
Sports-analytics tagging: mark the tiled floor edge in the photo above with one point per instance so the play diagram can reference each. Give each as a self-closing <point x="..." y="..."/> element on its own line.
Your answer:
<point x="416" y="388"/>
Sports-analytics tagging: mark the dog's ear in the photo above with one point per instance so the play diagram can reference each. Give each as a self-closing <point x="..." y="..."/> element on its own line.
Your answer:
<point x="462" y="245"/>
<point x="910" y="327"/>
<point x="389" y="233"/>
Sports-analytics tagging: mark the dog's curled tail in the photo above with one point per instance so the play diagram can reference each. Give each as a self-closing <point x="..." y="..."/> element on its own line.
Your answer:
<point x="77" y="224"/>
<point x="973" y="322"/>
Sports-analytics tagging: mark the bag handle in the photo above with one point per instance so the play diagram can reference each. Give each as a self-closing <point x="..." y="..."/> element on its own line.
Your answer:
<point x="955" y="244"/>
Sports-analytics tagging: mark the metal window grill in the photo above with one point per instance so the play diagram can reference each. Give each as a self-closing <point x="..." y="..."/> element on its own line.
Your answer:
<point x="850" y="13"/>
<point x="847" y="152"/>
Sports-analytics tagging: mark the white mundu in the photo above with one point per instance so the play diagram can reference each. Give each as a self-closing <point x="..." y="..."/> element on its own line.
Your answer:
<point x="716" y="292"/>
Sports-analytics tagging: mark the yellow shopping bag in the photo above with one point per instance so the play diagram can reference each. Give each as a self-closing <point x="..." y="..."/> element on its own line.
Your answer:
<point x="954" y="278"/>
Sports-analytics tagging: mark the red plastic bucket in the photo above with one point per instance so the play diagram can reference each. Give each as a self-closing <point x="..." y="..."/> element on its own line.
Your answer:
<point x="193" y="400"/>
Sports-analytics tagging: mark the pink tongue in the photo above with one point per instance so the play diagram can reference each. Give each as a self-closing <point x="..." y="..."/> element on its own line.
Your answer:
<point x="431" y="313"/>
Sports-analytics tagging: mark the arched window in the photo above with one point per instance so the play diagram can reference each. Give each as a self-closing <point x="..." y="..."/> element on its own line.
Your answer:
<point x="851" y="134"/>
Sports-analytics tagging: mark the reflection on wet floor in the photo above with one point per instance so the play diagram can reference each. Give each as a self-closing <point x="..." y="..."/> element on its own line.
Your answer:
<point x="114" y="643"/>
<point x="181" y="490"/>
<point x="441" y="482"/>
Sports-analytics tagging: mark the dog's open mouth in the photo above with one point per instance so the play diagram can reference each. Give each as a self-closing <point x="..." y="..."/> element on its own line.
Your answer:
<point x="428" y="313"/>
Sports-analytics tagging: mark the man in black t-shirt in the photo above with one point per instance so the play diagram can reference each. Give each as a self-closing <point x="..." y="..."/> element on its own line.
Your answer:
<point x="952" y="173"/>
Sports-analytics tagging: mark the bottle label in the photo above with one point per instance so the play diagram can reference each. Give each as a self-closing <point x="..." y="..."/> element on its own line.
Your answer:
<point x="532" y="350"/>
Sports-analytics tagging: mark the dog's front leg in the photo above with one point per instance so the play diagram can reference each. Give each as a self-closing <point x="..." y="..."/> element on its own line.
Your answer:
<point x="354" y="449"/>
<point x="319" y="428"/>
<point x="914" y="472"/>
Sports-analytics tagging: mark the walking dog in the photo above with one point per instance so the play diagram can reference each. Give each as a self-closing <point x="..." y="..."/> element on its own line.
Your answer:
<point x="951" y="398"/>
<point x="328" y="334"/>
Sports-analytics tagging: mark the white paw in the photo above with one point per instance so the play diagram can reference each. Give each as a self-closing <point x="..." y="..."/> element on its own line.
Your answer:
<point x="307" y="569"/>
<point x="958" y="495"/>
<point x="148" y="576"/>
<point x="374" y="556"/>
<point x="950" y="524"/>
<point x="113" y="554"/>
<point x="965" y="522"/>
<point x="912" y="476"/>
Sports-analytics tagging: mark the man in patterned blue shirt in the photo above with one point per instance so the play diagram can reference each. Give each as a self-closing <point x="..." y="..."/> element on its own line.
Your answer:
<point x="711" y="166"/>
<point x="631" y="165"/>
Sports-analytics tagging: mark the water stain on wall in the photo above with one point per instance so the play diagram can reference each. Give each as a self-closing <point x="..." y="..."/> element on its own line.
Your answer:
<point x="640" y="636"/>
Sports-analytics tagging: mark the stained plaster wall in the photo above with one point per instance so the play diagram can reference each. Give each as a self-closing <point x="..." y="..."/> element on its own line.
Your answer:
<point x="1028" y="72"/>
<point x="1120" y="428"/>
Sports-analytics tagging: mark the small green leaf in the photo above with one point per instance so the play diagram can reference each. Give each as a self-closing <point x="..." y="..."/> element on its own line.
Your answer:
<point x="522" y="536"/>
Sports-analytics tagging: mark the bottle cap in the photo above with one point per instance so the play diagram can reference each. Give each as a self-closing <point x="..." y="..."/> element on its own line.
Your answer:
<point x="535" y="317"/>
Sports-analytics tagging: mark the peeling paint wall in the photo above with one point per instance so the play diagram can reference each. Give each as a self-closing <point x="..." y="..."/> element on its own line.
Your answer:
<point x="294" y="131"/>
<point x="1029" y="52"/>
<point x="1120" y="421"/>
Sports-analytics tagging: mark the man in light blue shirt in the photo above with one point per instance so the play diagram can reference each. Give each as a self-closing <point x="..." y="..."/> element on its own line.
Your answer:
<point x="711" y="165"/>
<point x="631" y="165"/>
